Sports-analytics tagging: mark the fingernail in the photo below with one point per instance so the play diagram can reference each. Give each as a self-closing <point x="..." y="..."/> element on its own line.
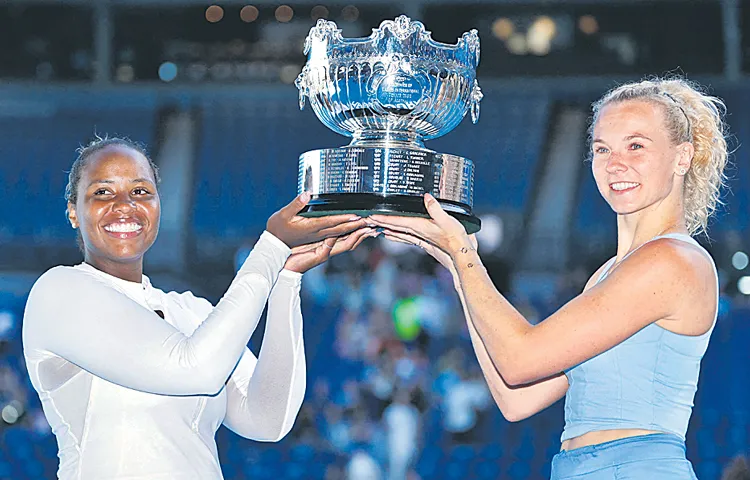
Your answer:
<point x="305" y="197"/>
<point x="355" y="218"/>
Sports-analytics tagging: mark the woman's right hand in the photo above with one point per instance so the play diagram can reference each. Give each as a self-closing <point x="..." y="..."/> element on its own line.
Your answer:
<point x="305" y="257"/>
<point x="295" y="230"/>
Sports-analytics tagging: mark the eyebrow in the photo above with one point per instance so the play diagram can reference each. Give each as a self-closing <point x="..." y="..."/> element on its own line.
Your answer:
<point x="135" y="180"/>
<point x="638" y="135"/>
<point x="629" y="137"/>
<point x="94" y="182"/>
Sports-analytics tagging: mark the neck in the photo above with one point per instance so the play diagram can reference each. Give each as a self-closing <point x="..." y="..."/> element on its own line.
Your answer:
<point x="131" y="271"/>
<point x="635" y="229"/>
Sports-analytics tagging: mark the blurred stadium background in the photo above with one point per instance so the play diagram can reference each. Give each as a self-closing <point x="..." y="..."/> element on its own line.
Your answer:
<point x="393" y="382"/>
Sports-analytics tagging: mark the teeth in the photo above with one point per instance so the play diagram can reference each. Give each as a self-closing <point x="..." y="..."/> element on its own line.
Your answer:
<point x="624" y="185"/>
<point x="123" y="227"/>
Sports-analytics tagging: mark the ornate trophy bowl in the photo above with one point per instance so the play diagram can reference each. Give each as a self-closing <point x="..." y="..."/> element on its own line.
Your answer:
<point x="390" y="92"/>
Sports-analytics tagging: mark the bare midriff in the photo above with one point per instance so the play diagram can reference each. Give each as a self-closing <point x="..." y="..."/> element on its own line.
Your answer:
<point x="595" y="438"/>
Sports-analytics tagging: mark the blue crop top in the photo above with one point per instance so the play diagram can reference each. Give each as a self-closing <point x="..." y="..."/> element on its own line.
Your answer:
<point x="646" y="382"/>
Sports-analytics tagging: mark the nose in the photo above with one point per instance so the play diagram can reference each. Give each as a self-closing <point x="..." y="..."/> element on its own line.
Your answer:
<point x="124" y="204"/>
<point x="615" y="164"/>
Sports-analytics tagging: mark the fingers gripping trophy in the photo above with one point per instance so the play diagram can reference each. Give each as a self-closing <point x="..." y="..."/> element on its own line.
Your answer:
<point x="390" y="92"/>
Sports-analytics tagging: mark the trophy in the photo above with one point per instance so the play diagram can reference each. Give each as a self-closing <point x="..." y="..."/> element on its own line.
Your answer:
<point x="390" y="92"/>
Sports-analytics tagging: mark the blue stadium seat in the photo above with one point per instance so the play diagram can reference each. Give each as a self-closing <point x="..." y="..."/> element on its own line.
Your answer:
<point x="487" y="470"/>
<point x="456" y="470"/>
<point x="519" y="470"/>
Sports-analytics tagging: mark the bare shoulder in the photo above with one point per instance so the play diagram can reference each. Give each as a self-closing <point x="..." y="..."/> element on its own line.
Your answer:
<point x="683" y="277"/>
<point x="685" y="262"/>
<point x="663" y="259"/>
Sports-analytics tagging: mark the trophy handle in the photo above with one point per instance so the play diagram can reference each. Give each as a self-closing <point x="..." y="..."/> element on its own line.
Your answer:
<point x="301" y="84"/>
<point x="476" y="97"/>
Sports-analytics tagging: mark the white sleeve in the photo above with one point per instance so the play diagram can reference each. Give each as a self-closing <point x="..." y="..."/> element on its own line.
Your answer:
<point x="264" y="396"/>
<point x="75" y="315"/>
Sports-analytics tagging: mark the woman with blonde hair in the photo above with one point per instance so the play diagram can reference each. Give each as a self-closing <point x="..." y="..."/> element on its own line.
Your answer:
<point x="626" y="352"/>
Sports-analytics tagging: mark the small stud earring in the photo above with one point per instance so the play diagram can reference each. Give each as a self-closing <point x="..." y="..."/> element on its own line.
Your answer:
<point x="683" y="171"/>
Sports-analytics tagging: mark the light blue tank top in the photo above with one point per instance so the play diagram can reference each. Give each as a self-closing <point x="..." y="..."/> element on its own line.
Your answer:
<point x="646" y="382"/>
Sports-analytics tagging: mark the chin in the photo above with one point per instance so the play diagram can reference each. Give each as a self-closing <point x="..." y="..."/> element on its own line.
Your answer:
<point x="126" y="258"/>
<point x="625" y="209"/>
<point x="127" y="255"/>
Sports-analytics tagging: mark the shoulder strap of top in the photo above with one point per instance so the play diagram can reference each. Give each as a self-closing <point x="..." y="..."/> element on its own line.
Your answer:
<point x="677" y="236"/>
<point x="605" y="270"/>
<point x="687" y="238"/>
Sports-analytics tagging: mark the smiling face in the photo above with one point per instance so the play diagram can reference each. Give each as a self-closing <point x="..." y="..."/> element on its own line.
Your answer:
<point x="636" y="164"/>
<point x="117" y="210"/>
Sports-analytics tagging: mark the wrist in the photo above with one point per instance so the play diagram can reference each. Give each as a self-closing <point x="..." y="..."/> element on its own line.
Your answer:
<point x="464" y="256"/>
<point x="458" y="246"/>
<point x="295" y="270"/>
<point x="292" y="265"/>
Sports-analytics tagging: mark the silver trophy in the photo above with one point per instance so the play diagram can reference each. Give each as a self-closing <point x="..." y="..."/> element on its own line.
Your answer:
<point x="390" y="92"/>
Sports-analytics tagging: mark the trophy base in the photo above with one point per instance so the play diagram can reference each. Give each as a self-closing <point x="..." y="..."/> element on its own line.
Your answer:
<point x="365" y="204"/>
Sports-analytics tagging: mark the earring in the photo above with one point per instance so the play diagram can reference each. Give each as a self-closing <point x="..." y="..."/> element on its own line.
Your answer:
<point x="683" y="171"/>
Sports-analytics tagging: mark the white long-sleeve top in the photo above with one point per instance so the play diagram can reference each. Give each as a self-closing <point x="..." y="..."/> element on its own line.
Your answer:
<point x="130" y="395"/>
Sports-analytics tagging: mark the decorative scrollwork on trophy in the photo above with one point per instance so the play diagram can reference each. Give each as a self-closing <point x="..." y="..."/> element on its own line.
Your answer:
<point x="390" y="92"/>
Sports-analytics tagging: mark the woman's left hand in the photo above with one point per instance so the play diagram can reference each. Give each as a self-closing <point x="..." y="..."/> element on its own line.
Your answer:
<point x="441" y="229"/>
<point x="437" y="253"/>
<point x="305" y="257"/>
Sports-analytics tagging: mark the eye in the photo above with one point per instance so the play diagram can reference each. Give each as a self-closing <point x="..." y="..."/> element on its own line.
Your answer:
<point x="141" y="191"/>
<point x="601" y="150"/>
<point x="635" y="146"/>
<point x="101" y="191"/>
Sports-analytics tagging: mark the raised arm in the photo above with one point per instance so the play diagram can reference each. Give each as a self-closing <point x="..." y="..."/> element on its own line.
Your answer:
<point x="642" y="290"/>
<point x="665" y="280"/>
<point x="520" y="401"/>
<point x="515" y="402"/>
<point x="264" y="396"/>
<point x="77" y="316"/>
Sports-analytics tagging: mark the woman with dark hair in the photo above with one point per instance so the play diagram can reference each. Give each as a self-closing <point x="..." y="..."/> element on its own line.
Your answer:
<point x="135" y="381"/>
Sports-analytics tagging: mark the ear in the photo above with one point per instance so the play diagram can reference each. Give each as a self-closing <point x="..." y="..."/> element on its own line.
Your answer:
<point x="72" y="215"/>
<point x="685" y="152"/>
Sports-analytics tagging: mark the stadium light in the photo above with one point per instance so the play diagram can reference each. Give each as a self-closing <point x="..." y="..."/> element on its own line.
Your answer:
<point x="740" y="260"/>
<point x="214" y="13"/>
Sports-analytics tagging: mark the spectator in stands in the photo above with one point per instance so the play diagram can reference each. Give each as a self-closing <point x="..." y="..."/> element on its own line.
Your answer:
<point x="463" y="403"/>
<point x="135" y="381"/>
<point x="363" y="467"/>
<point x="644" y="318"/>
<point x="402" y="424"/>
